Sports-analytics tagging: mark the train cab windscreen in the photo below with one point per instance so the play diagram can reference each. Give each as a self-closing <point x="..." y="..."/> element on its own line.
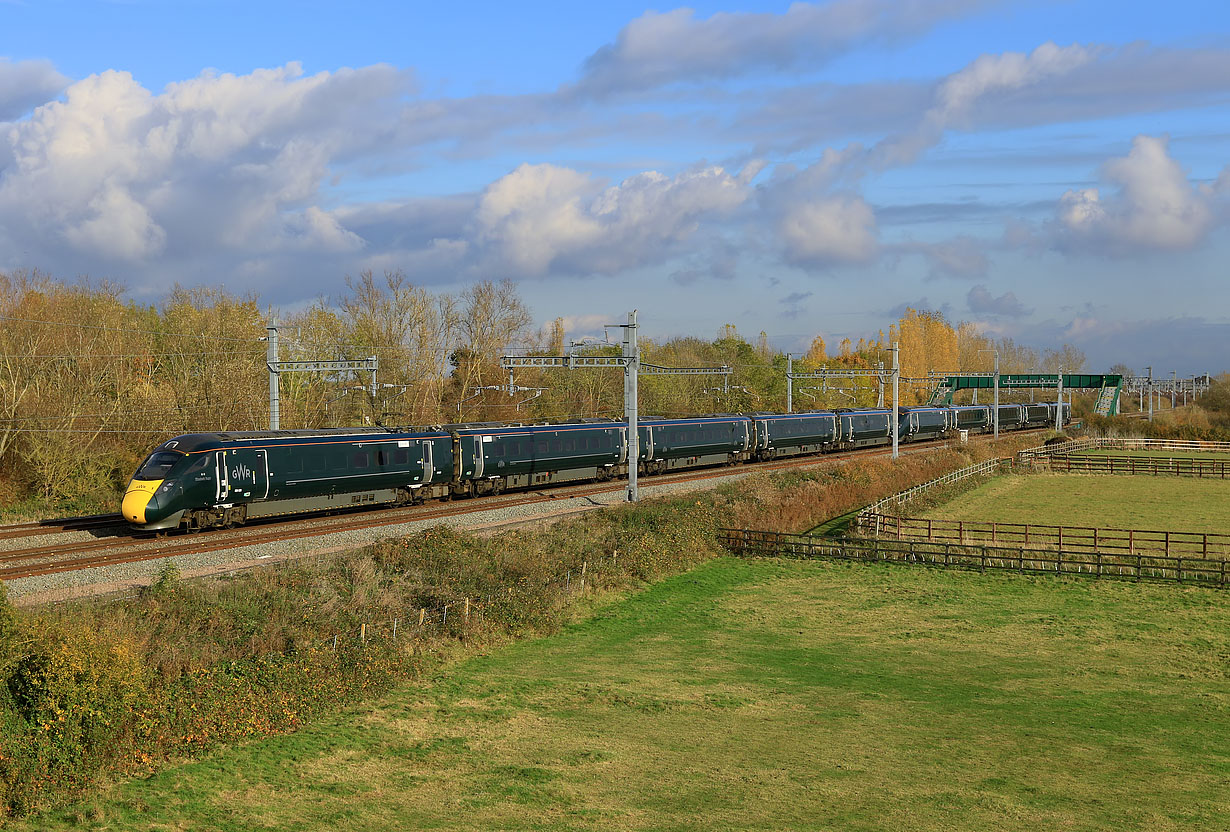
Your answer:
<point x="157" y="466"/>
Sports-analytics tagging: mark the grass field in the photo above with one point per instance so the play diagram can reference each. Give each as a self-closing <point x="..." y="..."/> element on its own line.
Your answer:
<point x="1118" y="502"/>
<point x="769" y="695"/>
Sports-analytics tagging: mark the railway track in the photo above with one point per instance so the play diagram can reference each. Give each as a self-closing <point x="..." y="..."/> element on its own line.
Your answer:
<point x="128" y="547"/>
<point x="61" y="525"/>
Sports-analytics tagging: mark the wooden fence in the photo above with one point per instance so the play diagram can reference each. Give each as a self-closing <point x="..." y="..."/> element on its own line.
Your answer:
<point x="1043" y="452"/>
<point x="1147" y="465"/>
<point x="1196" y="570"/>
<point x="1084" y="539"/>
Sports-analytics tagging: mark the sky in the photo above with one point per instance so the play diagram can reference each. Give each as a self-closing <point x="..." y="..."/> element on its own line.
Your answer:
<point x="1056" y="172"/>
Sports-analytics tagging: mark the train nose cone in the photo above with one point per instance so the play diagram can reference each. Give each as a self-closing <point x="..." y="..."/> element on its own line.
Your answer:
<point x="137" y="498"/>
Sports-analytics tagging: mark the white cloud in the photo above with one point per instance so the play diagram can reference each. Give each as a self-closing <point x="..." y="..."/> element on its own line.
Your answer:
<point x="1155" y="206"/>
<point x="982" y="302"/>
<point x="221" y="161"/>
<point x="957" y="96"/>
<point x="962" y="257"/>
<point x="26" y="84"/>
<point x="541" y="218"/>
<point x="663" y="48"/>
<point x="829" y="230"/>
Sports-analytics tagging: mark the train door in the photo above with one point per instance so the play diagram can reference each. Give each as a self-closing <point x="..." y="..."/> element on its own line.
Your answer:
<point x="648" y="443"/>
<point x="223" y="482"/>
<point x="763" y="430"/>
<point x="242" y="473"/>
<point x="480" y="452"/>
<point x="429" y="468"/>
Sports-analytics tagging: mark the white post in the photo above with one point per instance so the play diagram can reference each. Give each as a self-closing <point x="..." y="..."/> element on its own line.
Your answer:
<point x="631" y="352"/>
<point x="272" y="358"/>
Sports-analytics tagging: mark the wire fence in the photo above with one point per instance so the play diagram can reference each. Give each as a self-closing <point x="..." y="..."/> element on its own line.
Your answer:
<point x="1192" y="570"/>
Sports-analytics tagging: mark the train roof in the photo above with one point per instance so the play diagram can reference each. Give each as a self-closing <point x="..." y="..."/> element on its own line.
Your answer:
<point x="189" y="442"/>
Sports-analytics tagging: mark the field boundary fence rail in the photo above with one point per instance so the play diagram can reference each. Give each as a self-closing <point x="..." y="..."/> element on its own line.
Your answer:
<point x="1042" y="454"/>
<point x="1180" y="569"/>
<point x="980" y="469"/>
<point x="1156" y="466"/>
<point x="1087" y="539"/>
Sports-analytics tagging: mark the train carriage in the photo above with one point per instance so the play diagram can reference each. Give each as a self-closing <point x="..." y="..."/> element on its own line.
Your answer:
<point x="794" y="434"/>
<point x="500" y="456"/>
<point x="1011" y="416"/>
<point x="861" y="428"/>
<point x="667" y="444"/>
<point x="917" y="424"/>
<point x="971" y="417"/>
<point x="217" y="479"/>
<point x="1038" y="415"/>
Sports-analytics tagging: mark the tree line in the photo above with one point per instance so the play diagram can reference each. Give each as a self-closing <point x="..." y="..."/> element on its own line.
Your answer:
<point x="89" y="380"/>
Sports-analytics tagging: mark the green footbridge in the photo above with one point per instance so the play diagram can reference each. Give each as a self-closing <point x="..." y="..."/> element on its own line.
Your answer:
<point x="1108" y="385"/>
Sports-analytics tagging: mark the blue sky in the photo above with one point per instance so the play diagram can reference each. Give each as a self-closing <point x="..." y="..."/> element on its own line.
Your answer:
<point x="1055" y="171"/>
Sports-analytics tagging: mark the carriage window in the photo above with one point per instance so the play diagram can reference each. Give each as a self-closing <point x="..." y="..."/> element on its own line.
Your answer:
<point x="293" y="464"/>
<point x="317" y="463"/>
<point x="570" y="445"/>
<point x="382" y="459"/>
<point x="401" y="456"/>
<point x="557" y="445"/>
<point x="495" y="450"/>
<point x="337" y="459"/>
<point x="540" y="447"/>
<point x="361" y="459"/>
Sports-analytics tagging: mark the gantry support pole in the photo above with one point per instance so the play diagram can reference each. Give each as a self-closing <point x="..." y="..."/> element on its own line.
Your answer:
<point x="632" y="354"/>
<point x="789" y="383"/>
<point x="275" y="416"/>
<point x="896" y="381"/>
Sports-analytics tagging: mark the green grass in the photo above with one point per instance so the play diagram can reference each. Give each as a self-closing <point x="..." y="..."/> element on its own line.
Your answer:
<point x="768" y="695"/>
<point x="1120" y="502"/>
